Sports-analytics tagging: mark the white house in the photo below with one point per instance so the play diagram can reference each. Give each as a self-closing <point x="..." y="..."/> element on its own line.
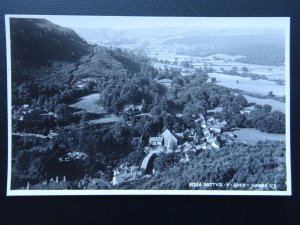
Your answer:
<point x="156" y="141"/>
<point x="215" y="145"/>
<point x="170" y="139"/>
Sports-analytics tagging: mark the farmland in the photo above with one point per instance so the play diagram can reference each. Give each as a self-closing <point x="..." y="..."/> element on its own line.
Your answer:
<point x="262" y="87"/>
<point x="227" y="63"/>
<point x="219" y="62"/>
<point x="276" y="105"/>
<point x="252" y="136"/>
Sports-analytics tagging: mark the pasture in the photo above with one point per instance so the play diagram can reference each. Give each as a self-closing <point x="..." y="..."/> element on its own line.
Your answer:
<point x="218" y="62"/>
<point x="252" y="135"/>
<point x="276" y="105"/>
<point x="90" y="104"/>
<point x="262" y="87"/>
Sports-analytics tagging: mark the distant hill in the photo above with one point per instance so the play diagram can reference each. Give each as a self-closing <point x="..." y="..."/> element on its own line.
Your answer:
<point x="259" y="48"/>
<point x="36" y="41"/>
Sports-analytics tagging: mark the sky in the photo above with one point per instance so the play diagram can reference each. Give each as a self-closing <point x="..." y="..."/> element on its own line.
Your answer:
<point x="127" y="22"/>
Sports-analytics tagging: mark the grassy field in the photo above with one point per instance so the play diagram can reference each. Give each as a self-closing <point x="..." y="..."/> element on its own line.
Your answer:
<point x="110" y="118"/>
<point x="272" y="72"/>
<point x="252" y="135"/>
<point x="224" y="61"/>
<point x="276" y="105"/>
<point x="262" y="87"/>
<point x="89" y="104"/>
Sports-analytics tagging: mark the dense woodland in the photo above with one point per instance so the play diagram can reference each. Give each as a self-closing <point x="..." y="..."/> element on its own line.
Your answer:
<point x="122" y="77"/>
<point x="233" y="164"/>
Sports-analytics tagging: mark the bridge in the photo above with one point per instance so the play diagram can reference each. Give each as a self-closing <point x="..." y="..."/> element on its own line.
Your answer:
<point x="145" y="162"/>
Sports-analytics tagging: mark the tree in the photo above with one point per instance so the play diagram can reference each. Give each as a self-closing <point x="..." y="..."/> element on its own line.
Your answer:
<point x="64" y="114"/>
<point x="271" y="94"/>
<point x="186" y="64"/>
<point x="172" y="145"/>
<point x="213" y="79"/>
<point x="144" y="106"/>
<point x="31" y="165"/>
<point x="137" y="144"/>
<point x="241" y="100"/>
<point x="234" y="71"/>
<point x="266" y="120"/>
<point x="245" y="70"/>
<point x="165" y="161"/>
<point x="168" y="121"/>
<point x="267" y="108"/>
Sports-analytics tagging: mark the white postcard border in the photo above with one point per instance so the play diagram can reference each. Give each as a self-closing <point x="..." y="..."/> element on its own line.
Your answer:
<point x="10" y="192"/>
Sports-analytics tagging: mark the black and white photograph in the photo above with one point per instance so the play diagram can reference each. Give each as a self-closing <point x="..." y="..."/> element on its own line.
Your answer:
<point x="127" y="105"/>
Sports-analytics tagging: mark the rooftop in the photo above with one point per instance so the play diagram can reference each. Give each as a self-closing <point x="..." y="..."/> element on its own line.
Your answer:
<point x="156" y="139"/>
<point x="167" y="134"/>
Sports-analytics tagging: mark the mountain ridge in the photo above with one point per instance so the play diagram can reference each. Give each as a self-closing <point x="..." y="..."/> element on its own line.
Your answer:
<point x="35" y="42"/>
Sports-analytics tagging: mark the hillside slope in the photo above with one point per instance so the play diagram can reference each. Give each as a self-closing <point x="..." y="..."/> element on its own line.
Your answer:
<point x="36" y="41"/>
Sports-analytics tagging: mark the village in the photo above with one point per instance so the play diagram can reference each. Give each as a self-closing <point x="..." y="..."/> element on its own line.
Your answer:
<point x="184" y="144"/>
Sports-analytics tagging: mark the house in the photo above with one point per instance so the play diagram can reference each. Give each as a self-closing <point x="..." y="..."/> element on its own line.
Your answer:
<point x="171" y="139"/>
<point x="51" y="185"/>
<point x="223" y="123"/>
<point x="167" y="139"/>
<point x="206" y="133"/>
<point x="215" y="145"/>
<point x="180" y="135"/>
<point x="201" y="147"/>
<point x="200" y="119"/>
<point x="211" y="120"/>
<point x="211" y="139"/>
<point x="124" y="173"/>
<point x="185" y="159"/>
<point x="134" y="169"/>
<point x="188" y="147"/>
<point x="246" y="110"/>
<point x="203" y="124"/>
<point x="178" y="115"/>
<point x="216" y="129"/>
<point x="133" y="108"/>
<point x="156" y="141"/>
<point x="201" y="116"/>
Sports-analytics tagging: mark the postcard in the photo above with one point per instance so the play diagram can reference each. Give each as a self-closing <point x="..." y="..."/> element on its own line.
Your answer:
<point x="114" y="105"/>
